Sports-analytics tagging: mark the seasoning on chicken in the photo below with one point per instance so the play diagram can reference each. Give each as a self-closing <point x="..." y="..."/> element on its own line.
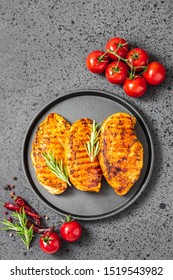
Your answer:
<point x="84" y="173"/>
<point x="50" y="136"/>
<point x="121" y="153"/>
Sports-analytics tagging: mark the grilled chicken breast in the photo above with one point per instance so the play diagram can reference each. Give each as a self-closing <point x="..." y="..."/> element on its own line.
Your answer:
<point x="50" y="136"/>
<point x="84" y="174"/>
<point x="121" y="153"/>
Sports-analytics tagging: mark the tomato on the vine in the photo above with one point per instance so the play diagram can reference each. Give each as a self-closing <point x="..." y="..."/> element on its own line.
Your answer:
<point x="134" y="62"/>
<point x="135" y="87"/>
<point x="116" y="72"/>
<point x="70" y="230"/>
<point x="155" y="73"/>
<point x="50" y="242"/>
<point x="117" y="45"/>
<point x="137" y="57"/>
<point x="97" y="61"/>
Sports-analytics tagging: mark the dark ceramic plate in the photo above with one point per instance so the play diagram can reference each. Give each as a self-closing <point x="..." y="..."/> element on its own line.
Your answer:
<point x="84" y="205"/>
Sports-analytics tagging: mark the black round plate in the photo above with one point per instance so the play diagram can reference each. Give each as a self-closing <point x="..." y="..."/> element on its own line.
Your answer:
<point x="96" y="105"/>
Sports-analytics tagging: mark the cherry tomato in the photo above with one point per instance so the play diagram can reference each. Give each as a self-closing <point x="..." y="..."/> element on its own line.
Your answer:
<point x="70" y="230"/>
<point x="135" y="87"/>
<point x="117" y="45"/>
<point x="50" y="242"/>
<point x="155" y="73"/>
<point x="137" y="57"/>
<point x="116" y="72"/>
<point x="97" y="61"/>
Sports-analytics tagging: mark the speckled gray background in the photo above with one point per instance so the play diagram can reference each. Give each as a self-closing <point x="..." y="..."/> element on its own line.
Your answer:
<point x="43" y="45"/>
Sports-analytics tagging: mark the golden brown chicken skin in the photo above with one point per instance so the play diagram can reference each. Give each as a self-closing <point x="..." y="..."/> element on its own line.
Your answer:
<point x="50" y="136"/>
<point x="84" y="174"/>
<point x="121" y="153"/>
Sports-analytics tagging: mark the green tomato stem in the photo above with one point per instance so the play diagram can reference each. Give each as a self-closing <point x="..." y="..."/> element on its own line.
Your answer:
<point x="121" y="58"/>
<point x="100" y="59"/>
<point x="68" y="218"/>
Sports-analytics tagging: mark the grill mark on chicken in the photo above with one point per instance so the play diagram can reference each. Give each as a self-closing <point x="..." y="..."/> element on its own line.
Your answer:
<point x="50" y="136"/>
<point x="84" y="174"/>
<point x="121" y="153"/>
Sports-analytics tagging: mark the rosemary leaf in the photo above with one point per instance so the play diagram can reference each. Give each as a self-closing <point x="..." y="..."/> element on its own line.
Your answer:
<point x="26" y="234"/>
<point x="56" y="167"/>
<point x="92" y="146"/>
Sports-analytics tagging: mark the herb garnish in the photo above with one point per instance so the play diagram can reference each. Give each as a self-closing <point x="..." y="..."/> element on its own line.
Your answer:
<point x="56" y="167"/>
<point x="92" y="146"/>
<point x="25" y="233"/>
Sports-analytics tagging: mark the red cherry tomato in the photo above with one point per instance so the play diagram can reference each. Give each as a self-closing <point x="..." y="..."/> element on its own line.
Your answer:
<point x="116" y="72"/>
<point x="135" y="87"/>
<point x="137" y="57"/>
<point x="70" y="230"/>
<point x="155" y="73"/>
<point x="50" y="242"/>
<point x="117" y="45"/>
<point x="97" y="61"/>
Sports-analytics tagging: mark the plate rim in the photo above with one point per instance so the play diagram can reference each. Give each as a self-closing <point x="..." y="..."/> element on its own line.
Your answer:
<point x="103" y="94"/>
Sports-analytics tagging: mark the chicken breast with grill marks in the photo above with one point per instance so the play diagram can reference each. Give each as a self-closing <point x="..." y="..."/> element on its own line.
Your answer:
<point x="84" y="174"/>
<point x="50" y="136"/>
<point x="121" y="153"/>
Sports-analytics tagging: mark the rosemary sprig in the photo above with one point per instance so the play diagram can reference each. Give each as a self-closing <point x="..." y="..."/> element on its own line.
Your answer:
<point x="92" y="146"/>
<point x="25" y="233"/>
<point x="56" y="167"/>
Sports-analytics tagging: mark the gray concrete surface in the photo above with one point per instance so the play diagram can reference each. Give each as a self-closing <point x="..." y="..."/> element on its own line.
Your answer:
<point x="43" y="46"/>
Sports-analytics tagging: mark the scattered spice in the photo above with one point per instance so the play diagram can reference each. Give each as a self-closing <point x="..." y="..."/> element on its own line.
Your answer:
<point x="10" y="219"/>
<point x="14" y="178"/>
<point x="9" y="187"/>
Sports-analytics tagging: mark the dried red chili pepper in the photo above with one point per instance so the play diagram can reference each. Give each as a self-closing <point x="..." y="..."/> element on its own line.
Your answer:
<point x="38" y="222"/>
<point x="38" y="229"/>
<point x="13" y="207"/>
<point x="22" y="203"/>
